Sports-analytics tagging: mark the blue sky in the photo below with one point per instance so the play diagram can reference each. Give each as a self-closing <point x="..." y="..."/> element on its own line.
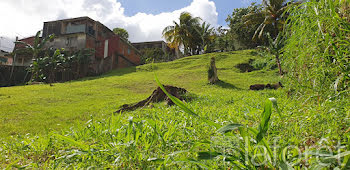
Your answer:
<point x="223" y="7"/>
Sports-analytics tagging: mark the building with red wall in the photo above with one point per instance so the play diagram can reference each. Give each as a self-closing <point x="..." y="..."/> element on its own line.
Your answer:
<point x="22" y="58"/>
<point x="111" y="51"/>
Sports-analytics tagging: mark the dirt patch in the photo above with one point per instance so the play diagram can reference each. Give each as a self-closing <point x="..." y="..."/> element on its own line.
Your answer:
<point x="267" y="86"/>
<point x="157" y="96"/>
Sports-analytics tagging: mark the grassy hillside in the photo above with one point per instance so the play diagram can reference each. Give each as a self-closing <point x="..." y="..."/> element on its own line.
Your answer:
<point x="38" y="108"/>
<point x="158" y="136"/>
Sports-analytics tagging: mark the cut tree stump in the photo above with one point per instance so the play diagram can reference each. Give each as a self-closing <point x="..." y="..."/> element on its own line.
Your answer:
<point x="157" y="96"/>
<point x="212" y="72"/>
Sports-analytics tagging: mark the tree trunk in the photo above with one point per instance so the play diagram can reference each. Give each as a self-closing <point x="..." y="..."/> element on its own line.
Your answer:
<point x="279" y="64"/>
<point x="212" y="72"/>
<point x="177" y="53"/>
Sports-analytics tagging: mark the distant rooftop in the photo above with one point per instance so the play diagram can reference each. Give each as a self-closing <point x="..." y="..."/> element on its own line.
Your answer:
<point x="72" y="19"/>
<point x="149" y="42"/>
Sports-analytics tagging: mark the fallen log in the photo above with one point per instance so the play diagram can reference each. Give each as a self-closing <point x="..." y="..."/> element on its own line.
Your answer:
<point x="157" y="96"/>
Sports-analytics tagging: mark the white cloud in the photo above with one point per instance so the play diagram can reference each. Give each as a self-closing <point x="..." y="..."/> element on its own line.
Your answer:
<point x="26" y="17"/>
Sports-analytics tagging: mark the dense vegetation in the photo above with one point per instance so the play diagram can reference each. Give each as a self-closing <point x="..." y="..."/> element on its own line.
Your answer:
<point x="304" y="125"/>
<point x="317" y="52"/>
<point x="48" y="63"/>
<point x="122" y="33"/>
<point x="156" y="55"/>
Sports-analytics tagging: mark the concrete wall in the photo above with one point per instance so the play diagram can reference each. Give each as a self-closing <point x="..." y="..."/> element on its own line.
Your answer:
<point x="68" y="41"/>
<point x="23" y="61"/>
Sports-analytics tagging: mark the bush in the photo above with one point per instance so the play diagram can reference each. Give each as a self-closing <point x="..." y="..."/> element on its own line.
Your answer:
<point x="265" y="62"/>
<point x="150" y="55"/>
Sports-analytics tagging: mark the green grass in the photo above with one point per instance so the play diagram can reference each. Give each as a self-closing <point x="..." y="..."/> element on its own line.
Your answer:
<point x="38" y="108"/>
<point x="158" y="136"/>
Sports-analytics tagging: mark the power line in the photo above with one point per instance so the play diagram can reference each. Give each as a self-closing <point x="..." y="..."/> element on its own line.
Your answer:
<point x="19" y="35"/>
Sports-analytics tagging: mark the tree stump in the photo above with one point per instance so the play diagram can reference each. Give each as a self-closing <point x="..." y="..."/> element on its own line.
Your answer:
<point x="157" y="96"/>
<point x="212" y="72"/>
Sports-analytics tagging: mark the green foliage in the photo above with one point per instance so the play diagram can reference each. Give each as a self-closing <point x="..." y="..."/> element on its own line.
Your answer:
<point x="37" y="47"/>
<point x="223" y="41"/>
<point x="241" y="32"/>
<point x="121" y="32"/>
<point x="34" y="50"/>
<point x="270" y="17"/>
<point x="183" y="34"/>
<point x="265" y="62"/>
<point x="157" y="55"/>
<point x="275" y="49"/>
<point x="189" y="34"/>
<point x="318" y="47"/>
<point x="45" y="67"/>
<point x="255" y="152"/>
<point x="206" y="34"/>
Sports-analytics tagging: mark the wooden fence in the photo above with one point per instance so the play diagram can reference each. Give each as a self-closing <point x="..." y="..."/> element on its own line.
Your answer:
<point x="19" y="75"/>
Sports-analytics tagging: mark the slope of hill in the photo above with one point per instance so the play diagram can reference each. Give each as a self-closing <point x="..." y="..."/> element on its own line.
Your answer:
<point x="66" y="104"/>
<point x="158" y="136"/>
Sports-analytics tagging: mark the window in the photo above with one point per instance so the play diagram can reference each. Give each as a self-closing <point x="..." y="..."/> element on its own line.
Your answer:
<point x="116" y="57"/>
<point x="106" y="49"/>
<point x="129" y="51"/>
<point x="71" y="28"/>
<point x="91" y="30"/>
<point x="68" y="41"/>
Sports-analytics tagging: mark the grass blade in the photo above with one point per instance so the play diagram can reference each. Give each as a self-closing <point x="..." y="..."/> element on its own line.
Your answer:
<point x="265" y="118"/>
<point x="229" y="127"/>
<point x="72" y="141"/>
<point x="183" y="106"/>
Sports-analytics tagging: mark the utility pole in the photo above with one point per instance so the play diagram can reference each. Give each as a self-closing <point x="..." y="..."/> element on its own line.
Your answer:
<point x="0" y="40"/>
<point x="13" y="64"/>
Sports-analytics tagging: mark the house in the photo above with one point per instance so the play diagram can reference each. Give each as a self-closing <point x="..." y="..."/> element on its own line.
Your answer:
<point x="5" y="58"/>
<point x="11" y="73"/>
<point x="111" y="51"/>
<point x="22" y="57"/>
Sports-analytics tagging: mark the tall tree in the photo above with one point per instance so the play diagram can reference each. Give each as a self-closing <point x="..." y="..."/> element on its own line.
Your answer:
<point x="271" y="16"/>
<point x="239" y="31"/>
<point x="223" y="40"/>
<point x="121" y="32"/>
<point x="183" y="33"/>
<point x="206" y="35"/>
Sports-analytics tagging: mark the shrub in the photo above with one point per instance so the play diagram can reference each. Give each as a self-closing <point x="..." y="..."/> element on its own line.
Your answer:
<point x="150" y="55"/>
<point x="265" y="62"/>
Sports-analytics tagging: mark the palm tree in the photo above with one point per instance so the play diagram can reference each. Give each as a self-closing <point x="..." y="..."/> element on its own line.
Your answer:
<point x="182" y="33"/>
<point x="206" y="34"/>
<point x="270" y="15"/>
